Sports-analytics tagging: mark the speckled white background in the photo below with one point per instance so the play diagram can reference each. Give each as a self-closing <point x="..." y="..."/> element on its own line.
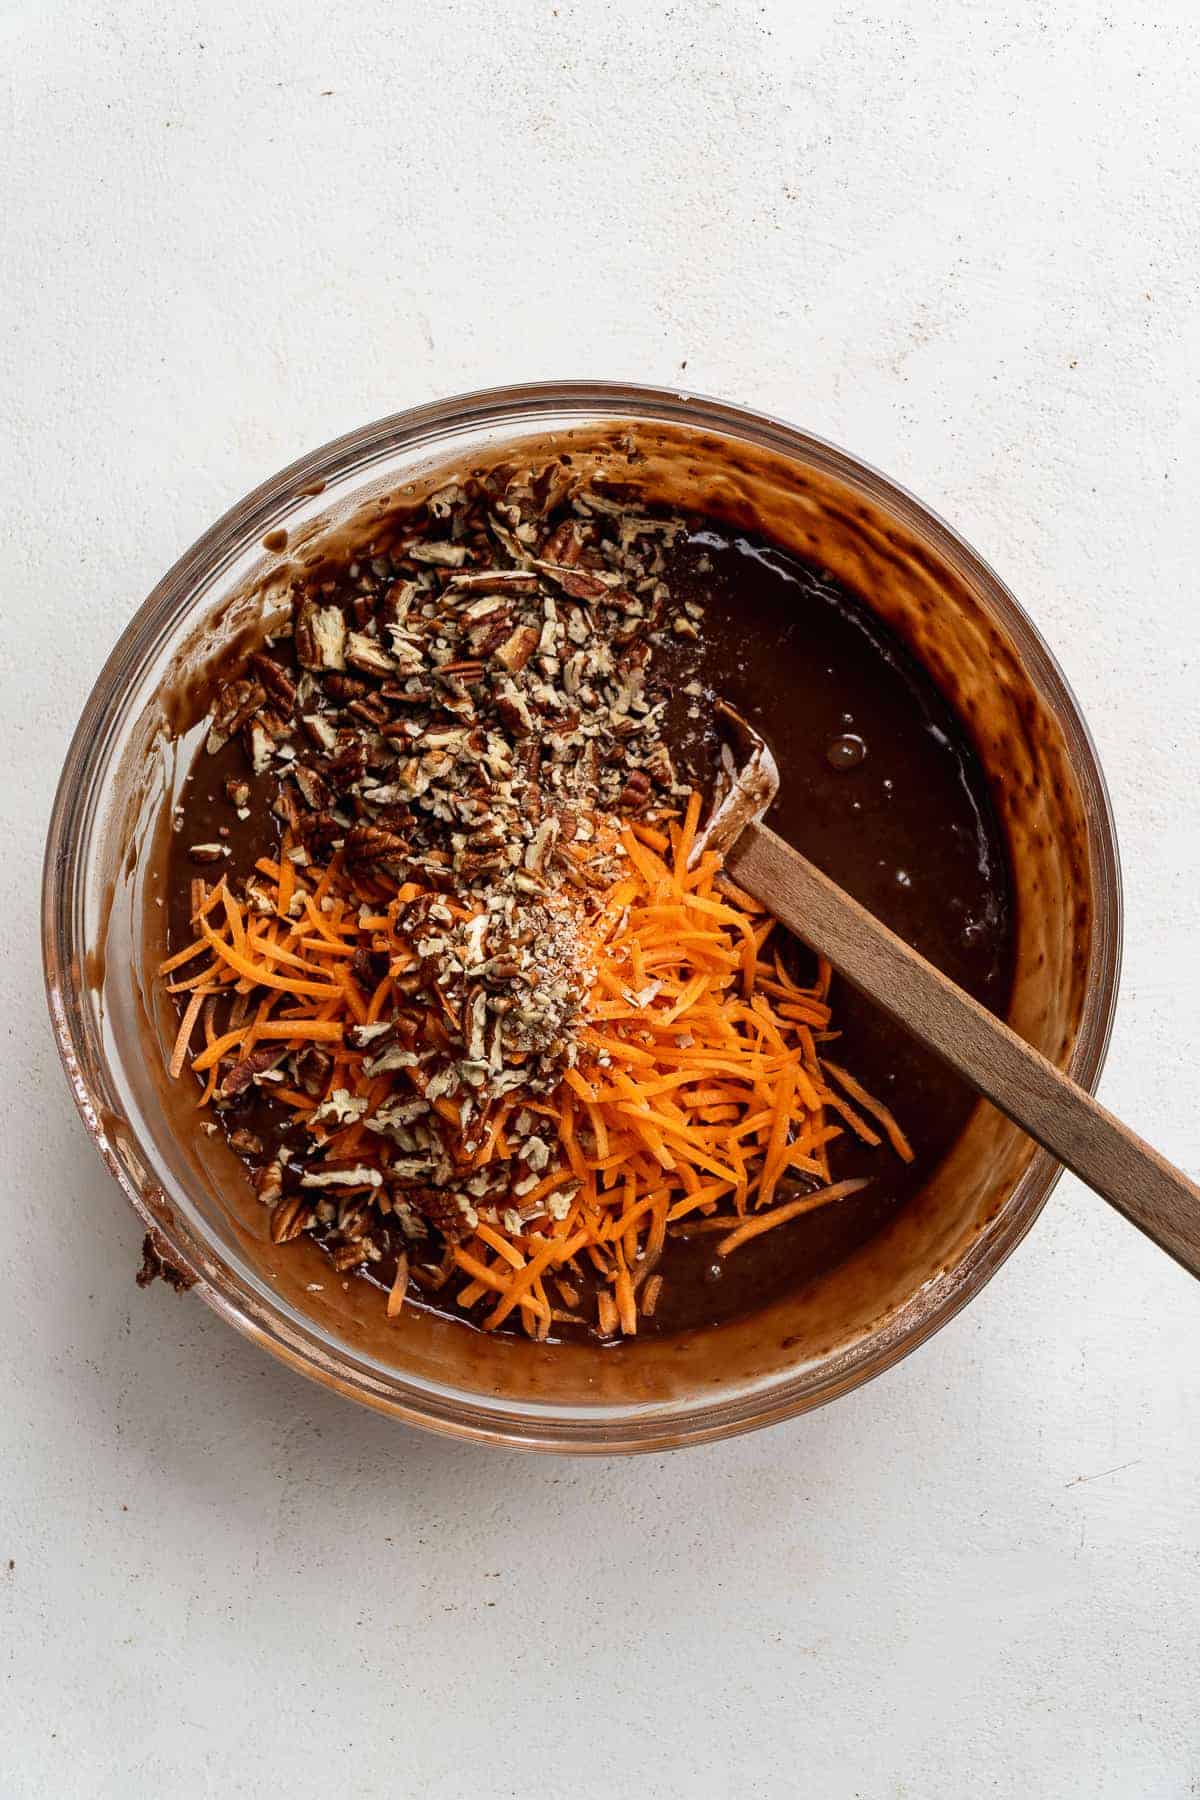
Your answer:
<point x="959" y="238"/>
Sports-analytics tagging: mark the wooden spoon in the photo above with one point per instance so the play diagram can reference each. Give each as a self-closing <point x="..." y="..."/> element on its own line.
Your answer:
<point x="1055" y="1111"/>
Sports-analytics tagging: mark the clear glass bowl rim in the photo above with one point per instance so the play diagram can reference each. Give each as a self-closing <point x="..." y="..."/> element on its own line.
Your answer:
<point x="272" y="1325"/>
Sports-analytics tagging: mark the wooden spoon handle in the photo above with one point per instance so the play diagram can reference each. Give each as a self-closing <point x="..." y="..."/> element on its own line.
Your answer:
<point x="1054" y="1110"/>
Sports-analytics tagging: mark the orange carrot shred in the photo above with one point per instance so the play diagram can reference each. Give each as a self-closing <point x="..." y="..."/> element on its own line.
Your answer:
<point x="399" y="1288"/>
<point x="869" y="1104"/>
<point x="837" y="1190"/>
<point x="186" y="1028"/>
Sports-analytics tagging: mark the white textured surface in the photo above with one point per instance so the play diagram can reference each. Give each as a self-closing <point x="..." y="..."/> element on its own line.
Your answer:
<point x="961" y="239"/>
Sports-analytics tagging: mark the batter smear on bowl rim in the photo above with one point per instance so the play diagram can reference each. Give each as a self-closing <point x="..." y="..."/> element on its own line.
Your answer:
<point x="456" y="988"/>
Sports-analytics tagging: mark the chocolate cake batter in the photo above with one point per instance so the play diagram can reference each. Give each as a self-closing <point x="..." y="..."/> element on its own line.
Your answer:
<point x="878" y="785"/>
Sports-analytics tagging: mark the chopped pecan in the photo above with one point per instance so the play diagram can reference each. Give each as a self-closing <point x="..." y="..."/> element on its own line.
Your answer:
<point x="473" y="865"/>
<point x="274" y="723"/>
<point x="348" y="1256"/>
<point x="442" y="1210"/>
<point x="371" y="709"/>
<point x="444" y="720"/>
<point x="276" y="680"/>
<point x="348" y="767"/>
<point x="531" y="802"/>
<point x="579" y="584"/>
<point x="513" y="707"/>
<point x="368" y="655"/>
<point x="537" y="851"/>
<point x="314" y="791"/>
<point x="518" y="647"/>
<point x="564" y="544"/>
<point x="367" y="968"/>
<point x="344" y="688"/>
<point x="433" y="1276"/>
<point x="313" y="1069"/>
<point x="285" y="807"/>
<point x="659" y="767"/>
<point x="268" y="1183"/>
<point x="289" y="1218"/>
<point x="242" y="1073"/>
<point x="443" y="555"/>
<point x="260" y="746"/>
<point x="529" y="758"/>
<point x="367" y="847"/>
<point x="238" y="701"/>
<point x="636" y="792"/>
<point x="553" y="485"/>
<point x="319" y="832"/>
<point x="466" y="670"/>
<point x="491" y="835"/>
<point x="586" y="773"/>
<point x="512" y="581"/>
<point x="371" y="1037"/>
<point x="352" y="1220"/>
<point x="321" y="730"/>
<point x="320" y="636"/>
<point x="393" y="608"/>
<point x="397" y="819"/>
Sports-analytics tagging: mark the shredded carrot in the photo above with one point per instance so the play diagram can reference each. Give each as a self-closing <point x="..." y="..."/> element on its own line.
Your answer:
<point x="626" y="1301"/>
<point x="186" y="1028"/>
<point x="524" y="1278"/>
<point x="399" y="1289"/>
<point x="856" y="1091"/>
<point x="646" y="834"/>
<point x="837" y="1190"/>
<point x="261" y="974"/>
<point x="320" y="1031"/>
<point x="687" y="836"/>
<point x="500" y="1245"/>
<point x="182" y="956"/>
<point x="286" y="875"/>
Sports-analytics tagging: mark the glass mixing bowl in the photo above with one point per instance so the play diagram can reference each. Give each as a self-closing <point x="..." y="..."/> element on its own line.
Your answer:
<point x="102" y="934"/>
